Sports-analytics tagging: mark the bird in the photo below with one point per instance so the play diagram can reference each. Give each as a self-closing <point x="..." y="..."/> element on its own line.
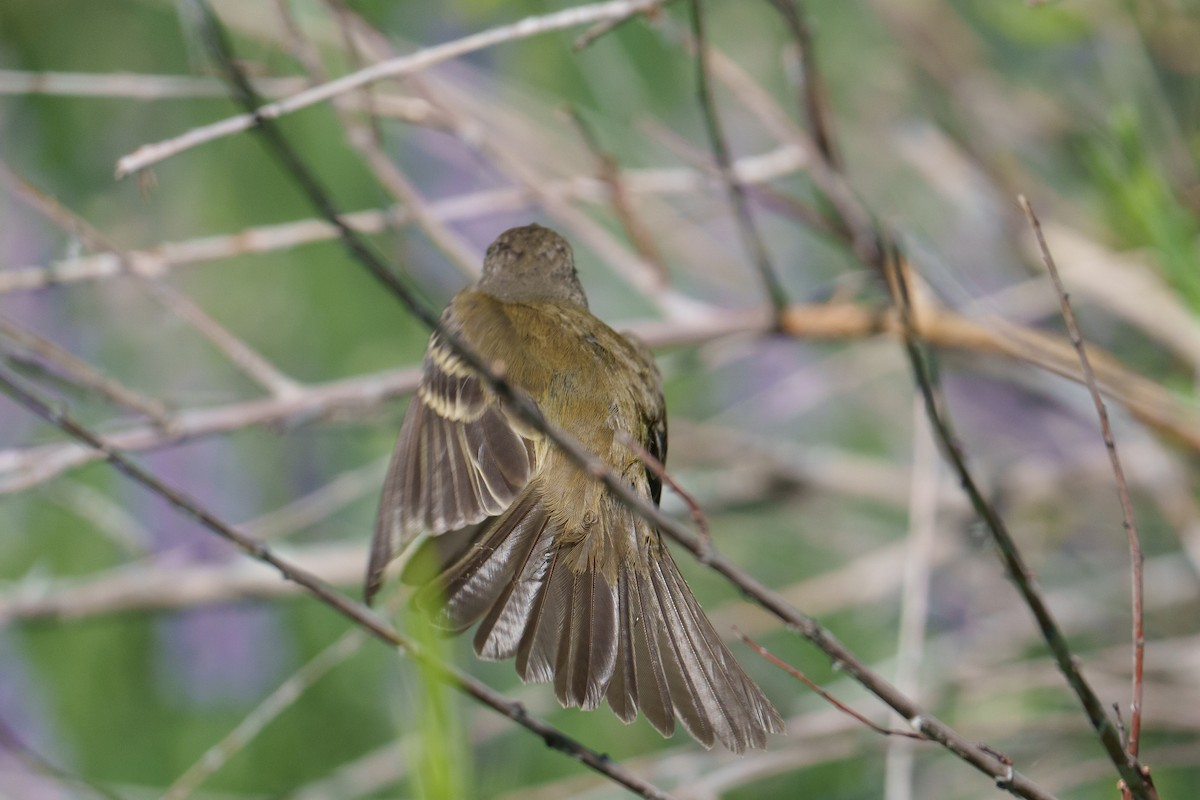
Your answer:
<point x="552" y="567"/>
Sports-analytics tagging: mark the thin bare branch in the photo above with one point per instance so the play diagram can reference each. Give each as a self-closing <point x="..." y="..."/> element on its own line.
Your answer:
<point x="607" y="26"/>
<point x="896" y="271"/>
<point x="751" y="237"/>
<point x="241" y="354"/>
<point x="608" y="172"/>
<point x="266" y="711"/>
<point x="659" y="470"/>
<point x="319" y="504"/>
<point x="509" y="157"/>
<point x="843" y="659"/>
<point x="1145" y="400"/>
<point x="13" y="744"/>
<point x="811" y="684"/>
<point x="269" y="238"/>
<point x="366" y="138"/>
<point x="156" y="587"/>
<point x="816" y="107"/>
<point x="1136" y="559"/>
<point x="22" y="468"/>
<point x="83" y="374"/>
<point x="132" y="85"/>
<point x="923" y="507"/>
<point x="249" y="361"/>
<point x="150" y="154"/>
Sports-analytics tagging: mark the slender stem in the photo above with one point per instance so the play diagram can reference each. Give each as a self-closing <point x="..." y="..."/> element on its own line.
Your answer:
<point x="1136" y="559"/>
<point x="408" y="64"/>
<point x="1014" y="563"/>
<point x="737" y="193"/>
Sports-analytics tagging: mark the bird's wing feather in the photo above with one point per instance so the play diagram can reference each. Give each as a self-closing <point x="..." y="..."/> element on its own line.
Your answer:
<point x="458" y="459"/>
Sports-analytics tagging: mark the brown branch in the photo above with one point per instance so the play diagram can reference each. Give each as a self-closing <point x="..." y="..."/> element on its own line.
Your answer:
<point x="938" y="327"/>
<point x="659" y="470"/>
<point x="1136" y="559"/>
<point x="813" y="99"/>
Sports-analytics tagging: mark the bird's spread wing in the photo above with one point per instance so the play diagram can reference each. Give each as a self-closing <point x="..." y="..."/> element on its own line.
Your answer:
<point x="458" y="460"/>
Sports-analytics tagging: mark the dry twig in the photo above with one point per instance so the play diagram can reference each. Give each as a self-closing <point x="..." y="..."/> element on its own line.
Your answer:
<point x="151" y="154"/>
<point x="896" y="271"/>
<point x="751" y="237"/>
<point x="813" y="685"/>
<point x="1136" y="559"/>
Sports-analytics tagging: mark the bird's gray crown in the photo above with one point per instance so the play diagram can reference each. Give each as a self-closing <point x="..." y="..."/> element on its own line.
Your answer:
<point x="529" y="264"/>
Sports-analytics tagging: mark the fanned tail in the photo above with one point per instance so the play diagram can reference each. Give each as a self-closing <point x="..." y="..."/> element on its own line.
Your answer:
<point x="536" y="602"/>
<point x="639" y="640"/>
<point x="671" y="662"/>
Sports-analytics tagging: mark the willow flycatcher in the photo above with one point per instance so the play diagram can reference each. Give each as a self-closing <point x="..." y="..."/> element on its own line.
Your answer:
<point x="560" y="574"/>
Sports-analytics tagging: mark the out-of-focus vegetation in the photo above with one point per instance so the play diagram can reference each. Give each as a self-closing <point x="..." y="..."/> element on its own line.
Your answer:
<point x="133" y="640"/>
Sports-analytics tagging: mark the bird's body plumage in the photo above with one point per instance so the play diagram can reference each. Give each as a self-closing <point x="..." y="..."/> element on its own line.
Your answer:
<point x="562" y="575"/>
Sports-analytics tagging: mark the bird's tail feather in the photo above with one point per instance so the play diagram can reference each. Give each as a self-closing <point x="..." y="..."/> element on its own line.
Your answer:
<point x="640" y="640"/>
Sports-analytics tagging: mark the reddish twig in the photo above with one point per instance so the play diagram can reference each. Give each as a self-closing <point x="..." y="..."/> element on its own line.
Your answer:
<point x="896" y="271"/>
<point x="659" y="471"/>
<point x="811" y="684"/>
<point x="608" y="172"/>
<point x="1136" y="558"/>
